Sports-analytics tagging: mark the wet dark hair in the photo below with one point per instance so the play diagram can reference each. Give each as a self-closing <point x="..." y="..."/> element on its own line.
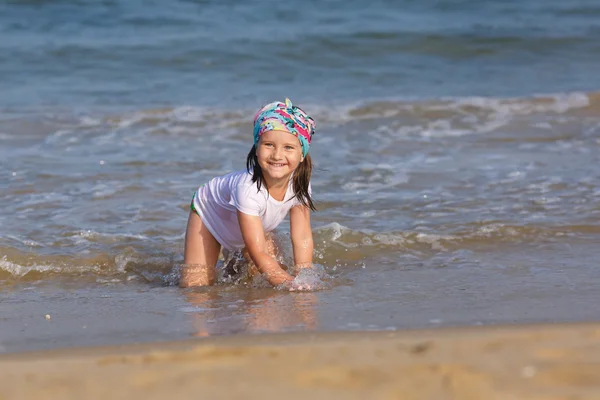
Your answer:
<point x="300" y="179"/>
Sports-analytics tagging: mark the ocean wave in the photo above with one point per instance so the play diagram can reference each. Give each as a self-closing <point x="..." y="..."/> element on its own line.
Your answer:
<point x="466" y="236"/>
<point x="335" y="245"/>
<point x="428" y="118"/>
<point x="199" y="117"/>
<point x="475" y="115"/>
<point x="127" y="265"/>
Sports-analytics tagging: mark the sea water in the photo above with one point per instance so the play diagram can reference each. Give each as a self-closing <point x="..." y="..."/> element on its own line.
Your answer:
<point x="456" y="162"/>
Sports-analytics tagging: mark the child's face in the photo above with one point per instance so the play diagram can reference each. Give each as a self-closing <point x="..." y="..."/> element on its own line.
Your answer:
<point x="279" y="154"/>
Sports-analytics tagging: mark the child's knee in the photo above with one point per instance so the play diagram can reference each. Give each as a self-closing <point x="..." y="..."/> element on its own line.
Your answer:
<point x="197" y="275"/>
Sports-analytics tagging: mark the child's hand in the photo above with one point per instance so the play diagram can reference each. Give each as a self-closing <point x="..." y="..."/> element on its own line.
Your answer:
<point x="309" y="277"/>
<point x="299" y="286"/>
<point x="299" y="283"/>
<point x="299" y="267"/>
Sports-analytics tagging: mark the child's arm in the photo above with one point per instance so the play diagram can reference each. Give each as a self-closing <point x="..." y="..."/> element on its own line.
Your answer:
<point x="302" y="238"/>
<point x="254" y="239"/>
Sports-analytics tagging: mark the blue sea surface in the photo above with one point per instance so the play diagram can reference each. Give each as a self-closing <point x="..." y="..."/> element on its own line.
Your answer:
<point x="145" y="53"/>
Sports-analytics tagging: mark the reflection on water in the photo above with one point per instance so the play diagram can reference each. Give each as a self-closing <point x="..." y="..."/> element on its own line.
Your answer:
<point x="215" y="311"/>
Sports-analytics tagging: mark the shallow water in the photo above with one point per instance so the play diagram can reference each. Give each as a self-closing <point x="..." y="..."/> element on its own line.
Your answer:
<point x="456" y="152"/>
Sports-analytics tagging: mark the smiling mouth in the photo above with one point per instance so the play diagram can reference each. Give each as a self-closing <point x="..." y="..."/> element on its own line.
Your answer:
<point x="277" y="164"/>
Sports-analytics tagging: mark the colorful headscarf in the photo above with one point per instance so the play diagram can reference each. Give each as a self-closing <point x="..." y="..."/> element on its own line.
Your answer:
<point x="278" y="116"/>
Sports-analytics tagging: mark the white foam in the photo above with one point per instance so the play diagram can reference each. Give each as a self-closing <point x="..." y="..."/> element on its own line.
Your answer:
<point x="442" y="128"/>
<point x="20" y="270"/>
<point x="89" y="234"/>
<point x="337" y="230"/>
<point x="465" y="116"/>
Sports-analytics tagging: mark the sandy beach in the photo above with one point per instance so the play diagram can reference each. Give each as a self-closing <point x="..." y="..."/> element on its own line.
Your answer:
<point x="505" y="362"/>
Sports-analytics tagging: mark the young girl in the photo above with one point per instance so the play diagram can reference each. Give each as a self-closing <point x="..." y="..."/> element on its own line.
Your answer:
<point x="239" y="210"/>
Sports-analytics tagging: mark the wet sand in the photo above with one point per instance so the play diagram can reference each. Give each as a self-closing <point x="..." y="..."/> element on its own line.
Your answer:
<point x="506" y="362"/>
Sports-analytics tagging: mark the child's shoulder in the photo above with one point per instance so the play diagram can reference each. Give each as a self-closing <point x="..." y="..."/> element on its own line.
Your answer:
<point x="236" y="181"/>
<point x="235" y="177"/>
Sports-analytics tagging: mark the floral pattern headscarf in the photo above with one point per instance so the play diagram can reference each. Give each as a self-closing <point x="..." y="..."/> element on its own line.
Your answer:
<point x="285" y="117"/>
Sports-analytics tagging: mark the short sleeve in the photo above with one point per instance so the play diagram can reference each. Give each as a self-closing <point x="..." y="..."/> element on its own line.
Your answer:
<point x="248" y="199"/>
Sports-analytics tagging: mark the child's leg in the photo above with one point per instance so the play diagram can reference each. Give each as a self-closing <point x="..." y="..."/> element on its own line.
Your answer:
<point x="200" y="254"/>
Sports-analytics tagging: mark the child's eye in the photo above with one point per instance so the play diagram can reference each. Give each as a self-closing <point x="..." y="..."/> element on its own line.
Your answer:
<point x="289" y="147"/>
<point x="268" y="144"/>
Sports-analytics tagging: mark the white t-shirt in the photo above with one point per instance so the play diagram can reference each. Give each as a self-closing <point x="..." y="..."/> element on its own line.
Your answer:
<point x="218" y="200"/>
